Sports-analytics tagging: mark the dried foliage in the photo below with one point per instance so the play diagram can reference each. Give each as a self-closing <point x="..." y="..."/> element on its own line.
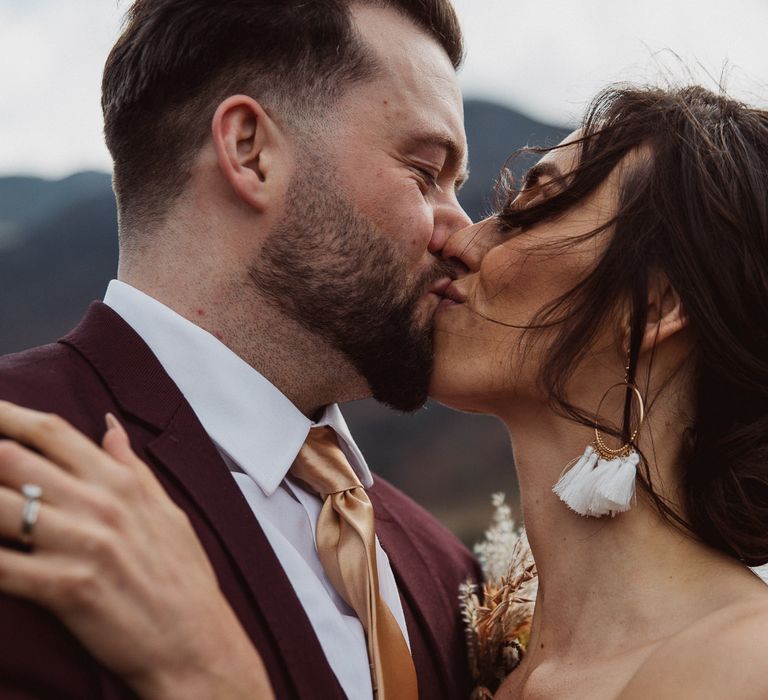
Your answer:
<point x="498" y="614"/>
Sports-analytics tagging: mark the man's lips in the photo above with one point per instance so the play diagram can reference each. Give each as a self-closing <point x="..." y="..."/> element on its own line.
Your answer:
<point x="454" y="294"/>
<point x="439" y="288"/>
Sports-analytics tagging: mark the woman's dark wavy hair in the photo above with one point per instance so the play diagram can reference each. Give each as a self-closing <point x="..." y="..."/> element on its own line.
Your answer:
<point x="693" y="206"/>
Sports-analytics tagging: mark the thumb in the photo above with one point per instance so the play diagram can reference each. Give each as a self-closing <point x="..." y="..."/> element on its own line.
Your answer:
<point x="117" y="445"/>
<point x="116" y="442"/>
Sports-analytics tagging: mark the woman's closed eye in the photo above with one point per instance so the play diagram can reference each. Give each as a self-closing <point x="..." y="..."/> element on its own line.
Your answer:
<point x="542" y="182"/>
<point x="537" y="187"/>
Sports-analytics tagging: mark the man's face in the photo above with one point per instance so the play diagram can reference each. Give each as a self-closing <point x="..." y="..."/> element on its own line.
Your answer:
<point x="356" y="257"/>
<point x="399" y="146"/>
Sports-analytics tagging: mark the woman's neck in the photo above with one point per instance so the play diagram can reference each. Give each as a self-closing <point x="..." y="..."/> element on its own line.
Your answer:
<point x="611" y="584"/>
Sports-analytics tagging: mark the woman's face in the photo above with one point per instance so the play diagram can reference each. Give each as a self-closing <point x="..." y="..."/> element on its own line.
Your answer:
<point x="480" y="363"/>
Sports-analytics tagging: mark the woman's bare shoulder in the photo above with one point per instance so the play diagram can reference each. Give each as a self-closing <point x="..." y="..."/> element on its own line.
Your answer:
<point x="723" y="655"/>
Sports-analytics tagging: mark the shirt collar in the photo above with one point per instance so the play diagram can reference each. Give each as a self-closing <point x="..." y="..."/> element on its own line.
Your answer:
<point x="247" y="417"/>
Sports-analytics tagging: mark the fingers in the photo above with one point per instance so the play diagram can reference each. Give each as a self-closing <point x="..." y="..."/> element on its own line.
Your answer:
<point x="71" y="508"/>
<point x="72" y="450"/>
<point x="24" y="576"/>
<point x="64" y="586"/>
<point x="116" y="441"/>
<point x="55" y="438"/>
<point x="11" y="509"/>
<point x="19" y="466"/>
<point x="52" y="531"/>
<point x="94" y="485"/>
<point x="117" y="444"/>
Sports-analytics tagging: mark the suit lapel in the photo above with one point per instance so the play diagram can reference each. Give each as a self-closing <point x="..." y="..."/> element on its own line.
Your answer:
<point x="420" y="583"/>
<point x="182" y="448"/>
<point x="186" y="452"/>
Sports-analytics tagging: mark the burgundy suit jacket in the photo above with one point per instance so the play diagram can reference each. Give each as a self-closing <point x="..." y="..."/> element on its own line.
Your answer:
<point x="103" y="365"/>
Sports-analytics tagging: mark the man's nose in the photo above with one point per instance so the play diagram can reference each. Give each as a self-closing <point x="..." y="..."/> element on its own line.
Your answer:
<point x="449" y="218"/>
<point x="469" y="245"/>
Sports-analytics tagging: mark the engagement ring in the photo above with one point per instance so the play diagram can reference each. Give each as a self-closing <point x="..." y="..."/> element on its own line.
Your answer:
<point x="33" y="493"/>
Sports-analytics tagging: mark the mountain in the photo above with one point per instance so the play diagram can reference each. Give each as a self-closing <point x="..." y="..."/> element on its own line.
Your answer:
<point x="47" y="197"/>
<point x="58" y="250"/>
<point x="58" y="267"/>
<point x="494" y="133"/>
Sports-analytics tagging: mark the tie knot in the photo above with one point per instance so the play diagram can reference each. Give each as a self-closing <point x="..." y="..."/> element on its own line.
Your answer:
<point x="322" y="465"/>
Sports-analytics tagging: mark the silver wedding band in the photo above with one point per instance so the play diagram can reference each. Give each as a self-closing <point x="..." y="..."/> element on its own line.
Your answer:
<point x="33" y="493"/>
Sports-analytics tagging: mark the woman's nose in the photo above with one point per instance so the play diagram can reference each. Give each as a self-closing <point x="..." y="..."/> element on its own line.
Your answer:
<point x="469" y="245"/>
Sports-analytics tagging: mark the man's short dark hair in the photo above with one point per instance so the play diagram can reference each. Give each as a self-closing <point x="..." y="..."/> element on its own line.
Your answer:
<point x="176" y="60"/>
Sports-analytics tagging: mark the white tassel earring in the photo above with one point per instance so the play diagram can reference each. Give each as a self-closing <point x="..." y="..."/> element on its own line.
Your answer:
<point x="602" y="481"/>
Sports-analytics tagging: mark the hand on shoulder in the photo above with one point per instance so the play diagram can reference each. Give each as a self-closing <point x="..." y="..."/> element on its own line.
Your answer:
<point x="118" y="562"/>
<point x="721" y="656"/>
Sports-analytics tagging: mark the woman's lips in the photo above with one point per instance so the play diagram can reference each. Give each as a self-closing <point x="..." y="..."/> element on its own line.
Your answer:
<point x="447" y="293"/>
<point x="439" y="287"/>
<point x="454" y="294"/>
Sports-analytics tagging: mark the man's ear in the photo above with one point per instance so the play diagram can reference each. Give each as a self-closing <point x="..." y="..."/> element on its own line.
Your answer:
<point x="251" y="151"/>
<point x="666" y="316"/>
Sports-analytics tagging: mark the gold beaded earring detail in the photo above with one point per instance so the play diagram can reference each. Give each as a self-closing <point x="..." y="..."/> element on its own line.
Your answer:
<point x="602" y="481"/>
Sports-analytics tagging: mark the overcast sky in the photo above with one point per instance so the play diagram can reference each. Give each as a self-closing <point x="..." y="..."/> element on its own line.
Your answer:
<point x="544" y="57"/>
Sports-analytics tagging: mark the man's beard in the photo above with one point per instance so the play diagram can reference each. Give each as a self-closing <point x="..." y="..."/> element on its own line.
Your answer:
<point x="331" y="269"/>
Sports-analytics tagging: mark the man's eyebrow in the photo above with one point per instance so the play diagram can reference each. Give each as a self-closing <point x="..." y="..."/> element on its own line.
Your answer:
<point x="542" y="169"/>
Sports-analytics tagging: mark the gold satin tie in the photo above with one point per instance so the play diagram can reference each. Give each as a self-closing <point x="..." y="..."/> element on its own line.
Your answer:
<point x="346" y="545"/>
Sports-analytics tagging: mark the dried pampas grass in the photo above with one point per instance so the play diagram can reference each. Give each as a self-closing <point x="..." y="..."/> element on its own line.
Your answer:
<point x="497" y="615"/>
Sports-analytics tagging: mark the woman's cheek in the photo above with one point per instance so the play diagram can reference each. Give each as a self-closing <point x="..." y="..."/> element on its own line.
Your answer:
<point x="502" y="277"/>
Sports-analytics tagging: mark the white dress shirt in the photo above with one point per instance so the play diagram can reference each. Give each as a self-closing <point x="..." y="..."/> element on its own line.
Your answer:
<point x="259" y="432"/>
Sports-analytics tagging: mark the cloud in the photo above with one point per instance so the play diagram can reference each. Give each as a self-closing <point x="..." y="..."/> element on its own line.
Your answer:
<point x="550" y="57"/>
<point x="52" y="54"/>
<point x="545" y="57"/>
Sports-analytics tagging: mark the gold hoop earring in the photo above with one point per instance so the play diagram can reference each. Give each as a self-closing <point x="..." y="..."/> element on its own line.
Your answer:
<point x="601" y="448"/>
<point x="602" y="481"/>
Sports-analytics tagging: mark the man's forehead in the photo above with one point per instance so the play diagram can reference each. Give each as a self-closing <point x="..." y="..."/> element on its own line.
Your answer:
<point x="383" y="26"/>
<point x="417" y="91"/>
<point x="406" y="53"/>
